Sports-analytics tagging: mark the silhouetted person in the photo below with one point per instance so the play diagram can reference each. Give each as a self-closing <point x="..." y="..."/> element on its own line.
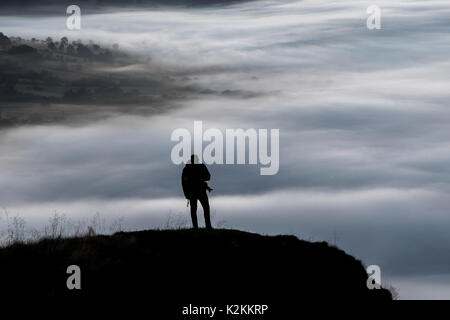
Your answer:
<point x="193" y="180"/>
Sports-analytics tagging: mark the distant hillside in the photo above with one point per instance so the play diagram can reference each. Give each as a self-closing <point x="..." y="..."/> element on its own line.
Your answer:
<point x="66" y="80"/>
<point x="188" y="266"/>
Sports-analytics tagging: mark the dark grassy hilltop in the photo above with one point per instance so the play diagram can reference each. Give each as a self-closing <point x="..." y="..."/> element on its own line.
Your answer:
<point x="187" y="266"/>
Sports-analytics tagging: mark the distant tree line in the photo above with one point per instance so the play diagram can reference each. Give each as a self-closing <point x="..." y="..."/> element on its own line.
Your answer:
<point x="63" y="47"/>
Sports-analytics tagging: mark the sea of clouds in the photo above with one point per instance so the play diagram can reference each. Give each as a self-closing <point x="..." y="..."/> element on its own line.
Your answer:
<point x="363" y="118"/>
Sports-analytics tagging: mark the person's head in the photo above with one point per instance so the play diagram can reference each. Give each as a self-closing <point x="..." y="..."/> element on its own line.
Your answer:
<point x="194" y="159"/>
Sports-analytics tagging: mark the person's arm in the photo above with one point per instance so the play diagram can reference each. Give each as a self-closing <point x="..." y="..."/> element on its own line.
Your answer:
<point x="184" y="183"/>
<point x="206" y="174"/>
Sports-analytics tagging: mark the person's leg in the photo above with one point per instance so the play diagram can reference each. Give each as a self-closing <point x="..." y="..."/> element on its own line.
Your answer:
<point x="193" y="203"/>
<point x="205" y="204"/>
